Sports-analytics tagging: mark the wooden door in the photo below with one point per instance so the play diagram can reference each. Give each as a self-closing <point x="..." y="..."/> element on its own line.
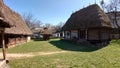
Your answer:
<point x="82" y="34"/>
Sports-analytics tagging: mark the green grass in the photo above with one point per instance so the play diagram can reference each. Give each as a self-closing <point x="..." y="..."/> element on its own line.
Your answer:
<point x="78" y="56"/>
<point x="33" y="46"/>
<point x="70" y="60"/>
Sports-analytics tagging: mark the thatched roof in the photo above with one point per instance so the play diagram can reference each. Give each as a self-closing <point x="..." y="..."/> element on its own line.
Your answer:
<point x="15" y="19"/>
<point x="37" y="30"/>
<point x="3" y="22"/>
<point x="46" y="31"/>
<point x="89" y="17"/>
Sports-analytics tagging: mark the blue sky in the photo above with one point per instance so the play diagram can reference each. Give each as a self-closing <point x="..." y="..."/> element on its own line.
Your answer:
<point x="49" y="11"/>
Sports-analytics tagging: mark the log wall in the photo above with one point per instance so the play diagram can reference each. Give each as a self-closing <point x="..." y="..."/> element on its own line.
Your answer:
<point x="98" y="34"/>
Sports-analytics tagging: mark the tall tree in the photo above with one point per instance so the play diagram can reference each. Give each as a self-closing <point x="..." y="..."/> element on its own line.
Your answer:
<point x="31" y="21"/>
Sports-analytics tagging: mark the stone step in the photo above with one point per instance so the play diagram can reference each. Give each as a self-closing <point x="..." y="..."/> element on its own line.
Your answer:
<point x="3" y="64"/>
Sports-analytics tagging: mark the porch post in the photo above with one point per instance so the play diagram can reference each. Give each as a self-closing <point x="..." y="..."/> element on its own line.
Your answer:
<point x="109" y="35"/>
<point x="86" y="34"/>
<point x="99" y="35"/>
<point x="70" y="33"/>
<point x="78" y="34"/>
<point x="3" y="45"/>
<point x="64" y="34"/>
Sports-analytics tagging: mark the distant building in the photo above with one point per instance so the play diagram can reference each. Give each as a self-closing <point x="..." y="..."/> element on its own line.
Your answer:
<point x="37" y="33"/>
<point x="59" y="33"/>
<point x="115" y="33"/>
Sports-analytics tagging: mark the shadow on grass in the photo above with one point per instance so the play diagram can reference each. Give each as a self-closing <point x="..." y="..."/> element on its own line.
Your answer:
<point x="65" y="45"/>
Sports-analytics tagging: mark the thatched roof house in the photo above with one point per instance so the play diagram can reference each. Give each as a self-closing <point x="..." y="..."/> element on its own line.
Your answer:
<point x="19" y="26"/>
<point x="89" y="23"/>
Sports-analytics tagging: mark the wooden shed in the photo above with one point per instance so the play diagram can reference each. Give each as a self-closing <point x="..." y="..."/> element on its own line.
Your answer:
<point x="19" y="32"/>
<point x="90" y="24"/>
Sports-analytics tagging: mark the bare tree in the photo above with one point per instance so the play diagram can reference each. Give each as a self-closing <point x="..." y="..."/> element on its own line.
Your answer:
<point x="58" y="26"/>
<point x="31" y="21"/>
<point x="47" y="25"/>
<point x="113" y="5"/>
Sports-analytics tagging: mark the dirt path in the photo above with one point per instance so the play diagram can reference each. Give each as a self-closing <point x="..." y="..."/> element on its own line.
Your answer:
<point x="32" y="54"/>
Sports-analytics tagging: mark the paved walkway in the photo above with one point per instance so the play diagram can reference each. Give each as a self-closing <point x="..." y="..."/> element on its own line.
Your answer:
<point x="32" y="54"/>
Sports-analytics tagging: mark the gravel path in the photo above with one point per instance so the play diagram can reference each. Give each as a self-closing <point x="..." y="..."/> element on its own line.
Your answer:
<point x="32" y="54"/>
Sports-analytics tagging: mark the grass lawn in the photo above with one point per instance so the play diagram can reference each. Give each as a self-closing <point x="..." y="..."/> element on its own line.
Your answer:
<point x="78" y="56"/>
<point x="33" y="46"/>
<point x="47" y="46"/>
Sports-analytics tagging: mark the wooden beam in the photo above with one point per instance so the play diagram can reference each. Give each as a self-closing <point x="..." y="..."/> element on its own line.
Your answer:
<point x="3" y="45"/>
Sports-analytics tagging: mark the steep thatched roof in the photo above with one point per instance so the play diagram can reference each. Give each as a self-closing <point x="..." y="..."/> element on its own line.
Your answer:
<point x="46" y="31"/>
<point x="89" y="17"/>
<point x="15" y="19"/>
